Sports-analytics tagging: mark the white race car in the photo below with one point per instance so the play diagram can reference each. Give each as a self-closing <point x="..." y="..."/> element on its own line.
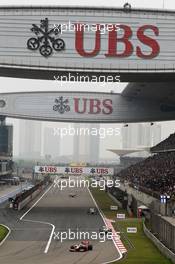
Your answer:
<point x="92" y="211"/>
<point x="105" y="230"/>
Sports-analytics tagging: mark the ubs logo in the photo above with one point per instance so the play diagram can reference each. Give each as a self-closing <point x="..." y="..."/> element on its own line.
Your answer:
<point x="45" y="39"/>
<point x="61" y="105"/>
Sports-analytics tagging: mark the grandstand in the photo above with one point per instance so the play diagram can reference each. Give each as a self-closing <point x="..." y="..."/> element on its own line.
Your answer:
<point x="151" y="184"/>
<point x="166" y="145"/>
<point x="156" y="174"/>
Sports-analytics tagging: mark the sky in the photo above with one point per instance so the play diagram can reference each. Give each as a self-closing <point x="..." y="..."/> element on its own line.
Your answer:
<point x="10" y="84"/>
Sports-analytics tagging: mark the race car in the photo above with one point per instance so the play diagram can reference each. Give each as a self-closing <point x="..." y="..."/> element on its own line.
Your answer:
<point x="64" y="177"/>
<point x="82" y="247"/>
<point x="105" y="230"/>
<point x="92" y="211"/>
<point x="72" y="195"/>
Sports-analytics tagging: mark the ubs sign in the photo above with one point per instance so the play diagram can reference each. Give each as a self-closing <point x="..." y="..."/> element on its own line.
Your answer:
<point x="114" y="39"/>
<point x="83" y="105"/>
<point x="74" y="170"/>
<point x="111" y="42"/>
<point x="46" y="40"/>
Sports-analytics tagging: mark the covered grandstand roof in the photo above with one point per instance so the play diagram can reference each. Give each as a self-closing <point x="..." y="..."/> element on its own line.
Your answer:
<point x="123" y="152"/>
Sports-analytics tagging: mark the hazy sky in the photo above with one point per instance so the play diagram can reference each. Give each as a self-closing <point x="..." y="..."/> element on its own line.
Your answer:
<point x="8" y="85"/>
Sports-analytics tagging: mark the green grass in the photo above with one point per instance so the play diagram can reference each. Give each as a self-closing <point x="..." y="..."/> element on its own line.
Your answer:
<point x="3" y="232"/>
<point x="140" y="249"/>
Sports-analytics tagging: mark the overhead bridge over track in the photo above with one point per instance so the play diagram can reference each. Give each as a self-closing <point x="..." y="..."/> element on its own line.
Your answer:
<point x="41" y="42"/>
<point x="117" y="44"/>
<point x="139" y="102"/>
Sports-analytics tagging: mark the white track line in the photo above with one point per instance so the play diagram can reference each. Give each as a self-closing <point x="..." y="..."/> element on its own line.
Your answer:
<point x="102" y="215"/>
<point x="35" y="203"/>
<point x="46" y="223"/>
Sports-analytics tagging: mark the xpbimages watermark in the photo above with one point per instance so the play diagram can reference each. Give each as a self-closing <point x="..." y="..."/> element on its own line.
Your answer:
<point x="82" y="235"/>
<point x="85" y="27"/>
<point x="101" y="79"/>
<point x="77" y="182"/>
<point x="84" y="131"/>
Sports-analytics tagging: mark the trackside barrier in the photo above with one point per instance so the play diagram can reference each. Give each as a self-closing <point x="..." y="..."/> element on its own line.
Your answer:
<point x="163" y="249"/>
<point x="5" y="198"/>
<point x="29" y="198"/>
<point x="115" y="200"/>
<point x="23" y="198"/>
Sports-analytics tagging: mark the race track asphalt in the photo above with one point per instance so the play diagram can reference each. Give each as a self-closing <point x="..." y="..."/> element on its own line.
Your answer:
<point x="29" y="237"/>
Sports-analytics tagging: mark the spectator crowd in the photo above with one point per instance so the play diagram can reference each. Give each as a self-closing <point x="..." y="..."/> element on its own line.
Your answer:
<point x="154" y="175"/>
<point x="167" y="144"/>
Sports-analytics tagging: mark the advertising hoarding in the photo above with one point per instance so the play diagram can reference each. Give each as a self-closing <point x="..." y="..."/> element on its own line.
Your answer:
<point x="74" y="170"/>
<point x="86" y="39"/>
